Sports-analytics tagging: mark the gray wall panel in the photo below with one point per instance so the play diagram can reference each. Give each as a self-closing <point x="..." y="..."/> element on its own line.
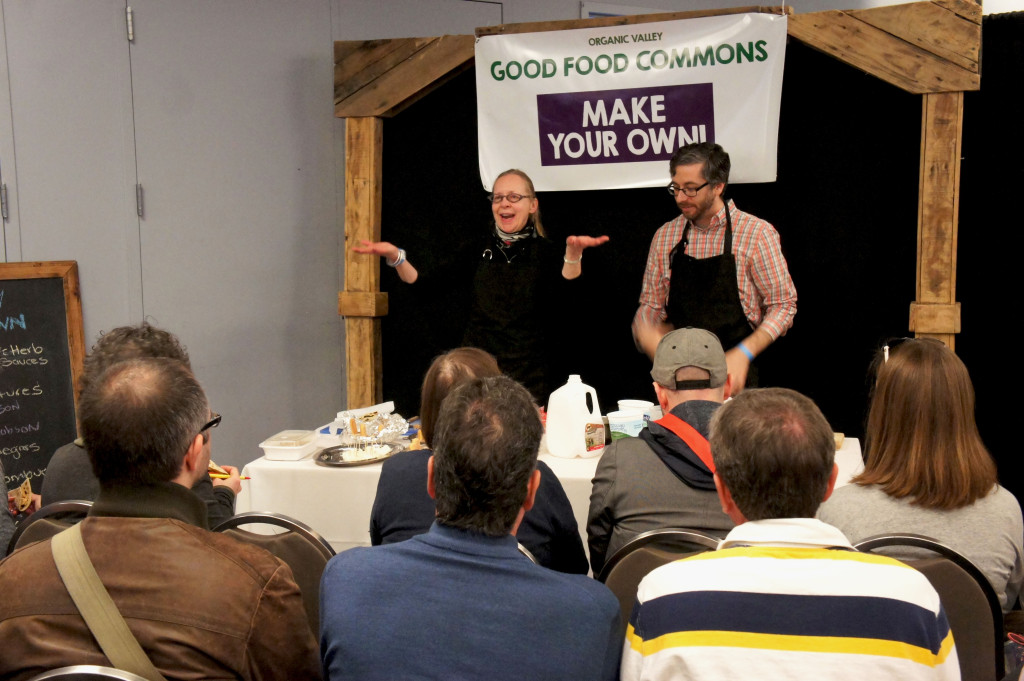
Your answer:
<point x="71" y="117"/>
<point x="372" y="19"/>
<point x="239" y="239"/>
<point x="10" y="234"/>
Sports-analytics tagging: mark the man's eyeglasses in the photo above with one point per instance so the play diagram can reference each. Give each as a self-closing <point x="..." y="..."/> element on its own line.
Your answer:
<point x="214" y="421"/>
<point x="512" y="198"/>
<point x="674" y="189"/>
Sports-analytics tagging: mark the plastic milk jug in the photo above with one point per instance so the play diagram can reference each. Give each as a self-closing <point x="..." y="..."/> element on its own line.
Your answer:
<point x="573" y="428"/>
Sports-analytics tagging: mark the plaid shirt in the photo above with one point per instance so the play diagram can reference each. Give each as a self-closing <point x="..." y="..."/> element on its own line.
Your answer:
<point x="766" y="290"/>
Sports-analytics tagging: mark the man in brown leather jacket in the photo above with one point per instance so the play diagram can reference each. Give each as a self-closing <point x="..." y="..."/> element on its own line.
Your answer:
<point x="202" y="605"/>
<point x="69" y="474"/>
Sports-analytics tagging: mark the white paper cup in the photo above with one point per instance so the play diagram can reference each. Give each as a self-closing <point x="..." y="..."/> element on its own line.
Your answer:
<point x="626" y="423"/>
<point x="638" y="405"/>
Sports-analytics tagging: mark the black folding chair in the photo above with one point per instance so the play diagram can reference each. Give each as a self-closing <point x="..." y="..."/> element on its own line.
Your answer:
<point x="971" y="605"/>
<point x="86" y="672"/>
<point x="623" y="572"/>
<point x="300" y="546"/>
<point x="47" y="521"/>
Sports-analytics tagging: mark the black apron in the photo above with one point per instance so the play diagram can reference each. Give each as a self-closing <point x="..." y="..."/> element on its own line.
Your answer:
<point x="704" y="293"/>
<point x="508" y="314"/>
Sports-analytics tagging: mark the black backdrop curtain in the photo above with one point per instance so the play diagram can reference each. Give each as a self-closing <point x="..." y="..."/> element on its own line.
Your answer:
<point x="989" y="254"/>
<point x="845" y="205"/>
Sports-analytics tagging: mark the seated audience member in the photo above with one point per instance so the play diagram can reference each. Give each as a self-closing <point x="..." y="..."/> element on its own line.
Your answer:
<point x="201" y="605"/>
<point x="927" y="470"/>
<point x="461" y="602"/>
<point x="16" y="508"/>
<point x="6" y="519"/>
<point x="785" y="595"/>
<point x="403" y="509"/>
<point x="69" y="474"/>
<point x="662" y="479"/>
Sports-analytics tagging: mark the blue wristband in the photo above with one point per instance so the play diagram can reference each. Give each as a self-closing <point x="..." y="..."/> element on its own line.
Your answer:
<point x="746" y="351"/>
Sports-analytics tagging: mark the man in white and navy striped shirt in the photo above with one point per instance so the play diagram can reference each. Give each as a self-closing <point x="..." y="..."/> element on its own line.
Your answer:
<point x="785" y="595"/>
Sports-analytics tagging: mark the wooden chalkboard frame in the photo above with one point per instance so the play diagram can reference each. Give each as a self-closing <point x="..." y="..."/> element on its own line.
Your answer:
<point x="67" y="271"/>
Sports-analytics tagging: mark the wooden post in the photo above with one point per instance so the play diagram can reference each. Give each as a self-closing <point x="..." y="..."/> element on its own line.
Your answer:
<point x="936" y="313"/>
<point x="361" y="302"/>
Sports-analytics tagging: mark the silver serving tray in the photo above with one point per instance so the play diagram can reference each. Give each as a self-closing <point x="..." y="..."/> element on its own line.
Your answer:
<point x="334" y="457"/>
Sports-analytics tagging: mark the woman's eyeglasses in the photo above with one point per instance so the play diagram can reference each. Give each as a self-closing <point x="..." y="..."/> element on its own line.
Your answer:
<point x="512" y="198"/>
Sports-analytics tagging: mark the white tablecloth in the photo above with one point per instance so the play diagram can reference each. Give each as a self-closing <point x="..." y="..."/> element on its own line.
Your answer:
<point x="336" y="502"/>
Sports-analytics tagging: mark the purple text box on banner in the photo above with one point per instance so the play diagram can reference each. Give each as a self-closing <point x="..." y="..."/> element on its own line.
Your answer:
<point x="623" y="126"/>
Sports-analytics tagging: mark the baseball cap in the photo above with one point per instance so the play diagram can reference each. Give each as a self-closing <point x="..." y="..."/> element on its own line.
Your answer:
<point x="689" y="347"/>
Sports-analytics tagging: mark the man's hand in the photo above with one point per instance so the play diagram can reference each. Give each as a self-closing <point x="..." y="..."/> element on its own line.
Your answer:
<point x="234" y="482"/>
<point x="738" y="364"/>
<point x="12" y="504"/>
<point x="647" y="336"/>
<point x="737" y="361"/>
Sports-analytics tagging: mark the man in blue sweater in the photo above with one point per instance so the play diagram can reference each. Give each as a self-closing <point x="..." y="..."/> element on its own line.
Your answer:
<point x="461" y="601"/>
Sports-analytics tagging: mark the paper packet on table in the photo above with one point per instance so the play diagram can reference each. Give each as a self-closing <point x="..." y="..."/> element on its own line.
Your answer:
<point x="375" y="424"/>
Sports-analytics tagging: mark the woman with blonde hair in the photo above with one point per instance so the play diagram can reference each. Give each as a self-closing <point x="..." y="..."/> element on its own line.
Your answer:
<point x="514" y="277"/>
<point x="403" y="508"/>
<point x="927" y="471"/>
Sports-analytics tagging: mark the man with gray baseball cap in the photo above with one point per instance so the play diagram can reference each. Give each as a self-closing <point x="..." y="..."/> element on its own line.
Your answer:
<point x="665" y="477"/>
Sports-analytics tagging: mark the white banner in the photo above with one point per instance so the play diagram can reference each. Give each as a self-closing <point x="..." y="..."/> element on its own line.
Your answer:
<point x="605" y="108"/>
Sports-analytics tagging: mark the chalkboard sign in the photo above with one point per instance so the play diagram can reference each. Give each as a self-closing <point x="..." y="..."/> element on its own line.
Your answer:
<point x="41" y="353"/>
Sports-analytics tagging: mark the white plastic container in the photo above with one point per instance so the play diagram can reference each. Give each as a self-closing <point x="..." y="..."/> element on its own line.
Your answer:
<point x="289" y="445"/>
<point x="573" y="428"/>
<point x="626" y="423"/>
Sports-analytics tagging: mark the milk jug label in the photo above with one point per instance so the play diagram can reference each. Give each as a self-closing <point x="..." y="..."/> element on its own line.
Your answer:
<point x="594" y="436"/>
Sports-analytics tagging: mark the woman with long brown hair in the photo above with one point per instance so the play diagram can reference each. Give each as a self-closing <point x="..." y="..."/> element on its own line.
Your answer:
<point x="927" y="470"/>
<point x="403" y="509"/>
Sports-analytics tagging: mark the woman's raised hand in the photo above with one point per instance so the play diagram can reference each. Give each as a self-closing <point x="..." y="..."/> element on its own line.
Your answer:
<point x="391" y="255"/>
<point x="381" y="248"/>
<point x="574" y="245"/>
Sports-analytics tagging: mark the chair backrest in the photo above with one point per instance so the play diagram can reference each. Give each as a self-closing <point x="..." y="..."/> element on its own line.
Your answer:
<point x="623" y="572"/>
<point x="526" y="552"/>
<point x="86" y="672"/>
<point x="300" y="546"/>
<point x="47" y="521"/>
<point x="970" y="602"/>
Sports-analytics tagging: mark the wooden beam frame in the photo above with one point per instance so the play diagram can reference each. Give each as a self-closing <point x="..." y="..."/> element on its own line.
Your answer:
<point x="364" y="145"/>
<point x="928" y="48"/>
<point x="384" y="77"/>
<point x="936" y="312"/>
<point x="921" y="47"/>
